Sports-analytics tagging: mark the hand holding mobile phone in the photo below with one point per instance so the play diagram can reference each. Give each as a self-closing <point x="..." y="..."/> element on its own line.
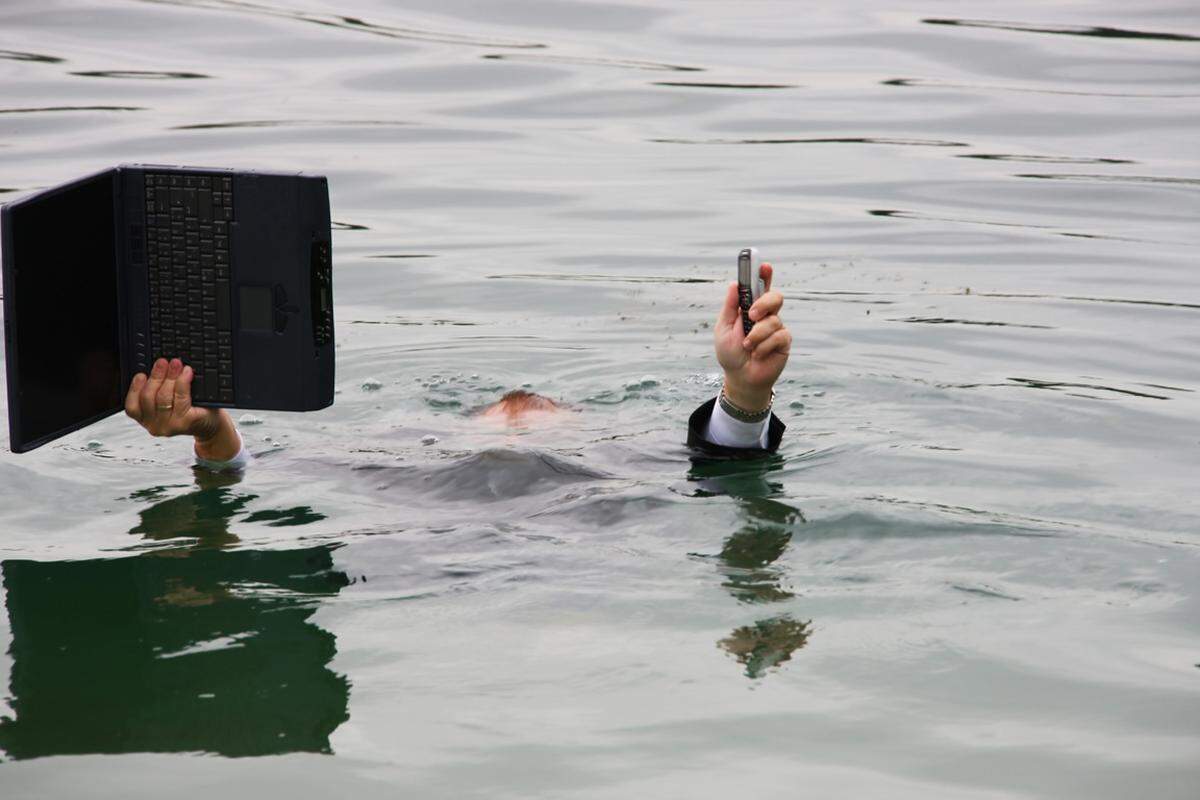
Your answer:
<point x="750" y="284"/>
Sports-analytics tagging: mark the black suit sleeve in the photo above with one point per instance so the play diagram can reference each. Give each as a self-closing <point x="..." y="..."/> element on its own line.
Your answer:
<point x="698" y="427"/>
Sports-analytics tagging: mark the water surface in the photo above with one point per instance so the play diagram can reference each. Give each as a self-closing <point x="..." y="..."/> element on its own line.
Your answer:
<point x="970" y="572"/>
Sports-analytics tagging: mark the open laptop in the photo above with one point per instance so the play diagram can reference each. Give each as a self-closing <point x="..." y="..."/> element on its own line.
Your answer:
<point x="228" y="270"/>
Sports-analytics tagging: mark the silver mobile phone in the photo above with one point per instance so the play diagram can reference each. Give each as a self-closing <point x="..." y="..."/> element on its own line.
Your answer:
<point x="750" y="284"/>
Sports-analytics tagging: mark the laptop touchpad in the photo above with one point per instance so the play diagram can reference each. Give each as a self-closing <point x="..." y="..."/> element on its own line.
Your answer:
<point x="255" y="304"/>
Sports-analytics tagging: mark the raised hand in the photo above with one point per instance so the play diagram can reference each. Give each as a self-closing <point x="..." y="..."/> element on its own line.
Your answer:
<point x="162" y="404"/>
<point x="754" y="361"/>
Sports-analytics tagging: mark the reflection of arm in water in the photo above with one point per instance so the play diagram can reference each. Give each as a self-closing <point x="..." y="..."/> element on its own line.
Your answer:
<point x="191" y="649"/>
<point x="748" y="558"/>
<point x="740" y="421"/>
<point x="162" y="404"/>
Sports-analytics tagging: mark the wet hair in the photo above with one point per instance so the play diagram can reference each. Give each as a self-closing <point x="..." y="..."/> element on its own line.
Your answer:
<point x="518" y="401"/>
<point x="515" y="404"/>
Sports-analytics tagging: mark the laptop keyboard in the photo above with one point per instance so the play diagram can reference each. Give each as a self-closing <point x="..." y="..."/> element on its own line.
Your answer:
<point x="187" y="252"/>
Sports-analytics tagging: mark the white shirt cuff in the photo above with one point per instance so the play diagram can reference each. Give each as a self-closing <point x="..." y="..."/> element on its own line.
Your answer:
<point x="237" y="463"/>
<point x="726" y="431"/>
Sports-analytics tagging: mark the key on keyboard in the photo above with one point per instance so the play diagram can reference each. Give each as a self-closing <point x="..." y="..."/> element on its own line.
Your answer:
<point x="187" y="245"/>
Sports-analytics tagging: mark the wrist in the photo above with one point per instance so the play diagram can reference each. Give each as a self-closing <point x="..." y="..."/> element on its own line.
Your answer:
<point x="748" y="398"/>
<point x="208" y="427"/>
<point x="218" y="442"/>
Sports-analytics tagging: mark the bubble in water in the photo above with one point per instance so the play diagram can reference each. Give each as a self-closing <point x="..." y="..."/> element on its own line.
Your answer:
<point x="95" y="444"/>
<point x="249" y="419"/>
<point x="711" y="379"/>
<point x="644" y="382"/>
<point x="429" y="439"/>
<point x="372" y="385"/>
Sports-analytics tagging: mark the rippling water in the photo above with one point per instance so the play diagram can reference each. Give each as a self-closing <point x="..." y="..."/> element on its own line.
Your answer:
<point x="971" y="571"/>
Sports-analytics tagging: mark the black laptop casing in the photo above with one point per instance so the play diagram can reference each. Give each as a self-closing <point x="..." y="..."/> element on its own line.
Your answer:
<point x="281" y="291"/>
<point x="279" y="263"/>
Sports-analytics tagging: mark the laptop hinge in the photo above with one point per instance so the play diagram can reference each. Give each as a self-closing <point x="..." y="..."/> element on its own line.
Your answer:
<point x="131" y="265"/>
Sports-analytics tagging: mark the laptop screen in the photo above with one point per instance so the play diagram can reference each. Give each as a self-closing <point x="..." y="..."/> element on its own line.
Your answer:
<point x="61" y="282"/>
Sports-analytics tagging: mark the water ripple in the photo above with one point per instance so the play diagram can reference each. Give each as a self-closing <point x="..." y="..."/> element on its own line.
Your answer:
<point x="938" y="84"/>
<point x="486" y="476"/>
<point x="594" y="61"/>
<point x="356" y="24"/>
<point x="709" y="85"/>
<point x="140" y="74"/>
<point x="895" y="213"/>
<point x="18" y="55"/>
<point x="948" y="321"/>
<point x="1036" y="383"/>
<point x="824" y="140"/>
<point x="52" y="109"/>
<point x="1036" y="159"/>
<point x="578" y="276"/>
<point x="1100" y="31"/>
<point x="279" y="123"/>
<point x="1146" y="179"/>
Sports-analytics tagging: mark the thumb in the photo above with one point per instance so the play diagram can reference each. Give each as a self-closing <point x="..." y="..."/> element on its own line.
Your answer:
<point x="730" y="312"/>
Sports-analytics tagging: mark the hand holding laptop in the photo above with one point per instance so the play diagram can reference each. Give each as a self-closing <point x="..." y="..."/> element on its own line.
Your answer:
<point x="162" y="404"/>
<point x="229" y="271"/>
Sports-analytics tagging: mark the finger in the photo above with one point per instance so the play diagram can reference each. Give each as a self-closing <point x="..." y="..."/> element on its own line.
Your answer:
<point x="761" y="331"/>
<point x="765" y="306"/>
<point x="150" y="389"/>
<point x="164" y="399"/>
<point x="766" y="272"/>
<point x="729" y="310"/>
<point x="132" y="407"/>
<point x="183" y="392"/>
<point x="779" y="342"/>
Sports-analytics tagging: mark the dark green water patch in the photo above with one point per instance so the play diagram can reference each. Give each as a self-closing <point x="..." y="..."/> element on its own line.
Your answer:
<point x="207" y="651"/>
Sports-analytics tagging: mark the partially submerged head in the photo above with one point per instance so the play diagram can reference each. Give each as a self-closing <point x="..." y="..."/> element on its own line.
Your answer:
<point x="519" y="405"/>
